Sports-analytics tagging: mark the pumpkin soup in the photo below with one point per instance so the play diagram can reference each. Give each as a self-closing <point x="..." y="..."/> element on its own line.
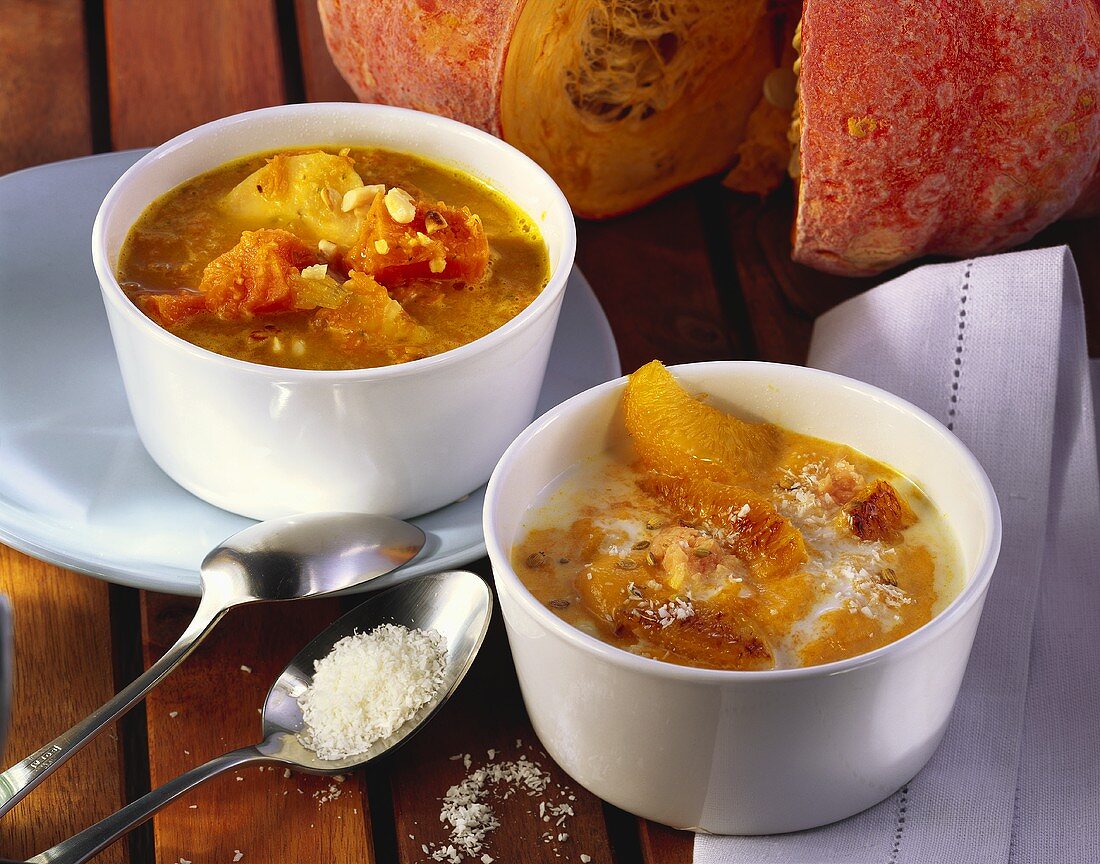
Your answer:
<point x="319" y="259"/>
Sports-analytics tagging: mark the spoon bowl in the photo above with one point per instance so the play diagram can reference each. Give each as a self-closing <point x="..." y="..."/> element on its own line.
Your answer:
<point x="305" y="556"/>
<point x="456" y="604"/>
<point x="282" y="559"/>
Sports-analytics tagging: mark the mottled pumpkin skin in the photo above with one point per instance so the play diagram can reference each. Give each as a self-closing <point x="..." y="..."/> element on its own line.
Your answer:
<point x="955" y="127"/>
<point x="442" y="56"/>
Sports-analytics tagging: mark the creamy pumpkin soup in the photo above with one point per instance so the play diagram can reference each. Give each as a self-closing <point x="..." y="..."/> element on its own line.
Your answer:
<point x="710" y="541"/>
<point x="342" y="259"/>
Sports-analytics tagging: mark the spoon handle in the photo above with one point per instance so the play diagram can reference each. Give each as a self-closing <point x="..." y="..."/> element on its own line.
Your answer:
<point x="93" y="840"/>
<point x="22" y="777"/>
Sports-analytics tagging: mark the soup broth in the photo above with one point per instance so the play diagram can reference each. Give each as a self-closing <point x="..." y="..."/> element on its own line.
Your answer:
<point x="333" y="259"/>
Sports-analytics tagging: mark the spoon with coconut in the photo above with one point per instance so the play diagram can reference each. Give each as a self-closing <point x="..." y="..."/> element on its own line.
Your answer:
<point x="363" y="687"/>
<point x="281" y="559"/>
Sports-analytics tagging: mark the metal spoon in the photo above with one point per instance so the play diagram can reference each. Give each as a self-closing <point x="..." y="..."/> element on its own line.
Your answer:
<point x="283" y="559"/>
<point x="456" y="604"/>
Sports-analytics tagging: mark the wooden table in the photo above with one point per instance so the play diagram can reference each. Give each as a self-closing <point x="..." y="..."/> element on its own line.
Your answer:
<point x="701" y="275"/>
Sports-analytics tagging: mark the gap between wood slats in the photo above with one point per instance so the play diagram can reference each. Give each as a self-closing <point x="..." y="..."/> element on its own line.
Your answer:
<point x="125" y="605"/>
<point x="95" y="39"/>
<point x="290" y="47"/>
<point x="321" y="80"/>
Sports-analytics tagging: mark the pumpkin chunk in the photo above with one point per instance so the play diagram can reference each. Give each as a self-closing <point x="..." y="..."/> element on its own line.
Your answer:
<point x="258" y="276"/>
<point x="370" y="315"/>
<point x="431" y="241"/>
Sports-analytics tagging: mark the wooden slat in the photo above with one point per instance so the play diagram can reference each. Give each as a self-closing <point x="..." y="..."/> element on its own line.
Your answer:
<point x="267" y="817"/>
<point x="487" y="713"/>
<point x="653" y="277"/>
<point x="172" y="66"/>
<point x="44" y="106"/>
<point x="63" y="672"/>
<point x="322" y="82"/>
<point x="664" y="845"/>
<point x="63" y="664"/>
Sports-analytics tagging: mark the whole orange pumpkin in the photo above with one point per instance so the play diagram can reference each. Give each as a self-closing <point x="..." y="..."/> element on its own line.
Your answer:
<point x="620" y="101"/>
<point x="957" y="127"/>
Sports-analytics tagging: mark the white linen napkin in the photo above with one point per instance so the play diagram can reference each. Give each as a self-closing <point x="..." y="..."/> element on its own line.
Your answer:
<point x="994" y="348"/>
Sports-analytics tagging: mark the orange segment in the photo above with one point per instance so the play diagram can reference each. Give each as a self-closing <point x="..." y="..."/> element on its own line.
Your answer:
<point x="710" y="634"/>
<point x="677" y="434"/>
<point x="769" y="544"/>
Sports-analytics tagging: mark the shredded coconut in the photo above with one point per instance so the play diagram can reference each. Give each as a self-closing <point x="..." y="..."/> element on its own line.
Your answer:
<point x="467" y="813"/>
<point x="368" y="686"/>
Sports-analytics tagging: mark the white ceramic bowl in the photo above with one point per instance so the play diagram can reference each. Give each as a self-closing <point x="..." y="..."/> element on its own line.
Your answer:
<point x="745" y="752"/>
<point x="268" y="442"/>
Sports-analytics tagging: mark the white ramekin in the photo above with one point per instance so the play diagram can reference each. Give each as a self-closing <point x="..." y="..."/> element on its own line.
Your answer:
<point x="746" y="752"/>
<point x="268" y="442"/>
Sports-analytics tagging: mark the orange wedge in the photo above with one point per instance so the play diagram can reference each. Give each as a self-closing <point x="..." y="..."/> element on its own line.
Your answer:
<point x="721" y="636"/>
<point x="677" y="434"/>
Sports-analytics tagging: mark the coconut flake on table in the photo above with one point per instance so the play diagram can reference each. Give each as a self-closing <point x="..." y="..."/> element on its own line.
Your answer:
<point x="468" y="814"/>
<point x="368" y="686"/>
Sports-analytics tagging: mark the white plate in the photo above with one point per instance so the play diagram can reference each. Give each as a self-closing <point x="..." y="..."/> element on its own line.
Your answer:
<point x="76" y="487"/>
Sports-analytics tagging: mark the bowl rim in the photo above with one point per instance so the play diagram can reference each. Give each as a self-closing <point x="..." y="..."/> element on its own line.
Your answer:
<point x="972" y="593"/>
<point x="432" y="124"/>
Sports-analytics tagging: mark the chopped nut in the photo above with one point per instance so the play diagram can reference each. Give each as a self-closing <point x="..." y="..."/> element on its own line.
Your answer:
<point x="560" y="604"/>
<point x="701" y="553"/>
<point x="423" y="239"/>
<point x="401" y="206"/>
<point x="437" y="265"/>
<point x="326" y="248"/>
<point x="361" y="196"/>
<point x="331" y="197"/>
<point x="298" y="347"/>
<point x="627" y="564"/>
<point x="650" y="559"/>
<point x="641" y="544"/>
<point x="536" y="559"/>
<point x="434" y="221"/>
<point x="315" y="271"/>
<point x="381" y="247"/>
<point x="654" y="524"/>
